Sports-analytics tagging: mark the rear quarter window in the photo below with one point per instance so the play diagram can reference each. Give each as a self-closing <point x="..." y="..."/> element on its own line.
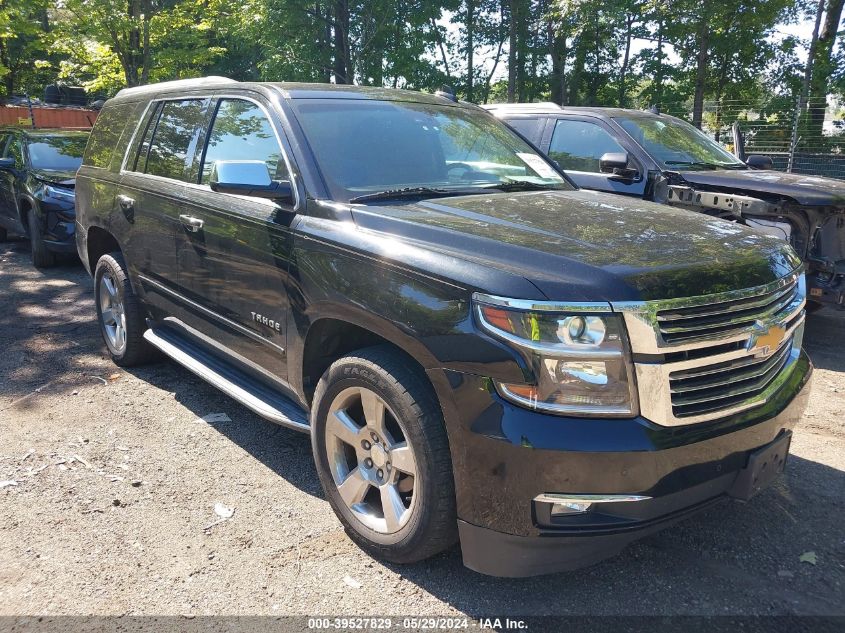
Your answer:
<point x="105" y="137"/>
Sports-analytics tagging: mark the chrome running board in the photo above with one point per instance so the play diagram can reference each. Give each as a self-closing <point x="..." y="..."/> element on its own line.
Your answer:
<point x="255" y="397"/>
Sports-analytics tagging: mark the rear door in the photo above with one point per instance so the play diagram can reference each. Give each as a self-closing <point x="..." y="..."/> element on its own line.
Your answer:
<point x="578" y="143"/>
<point x="235" y="265"/>
<point x="152" y="192"/>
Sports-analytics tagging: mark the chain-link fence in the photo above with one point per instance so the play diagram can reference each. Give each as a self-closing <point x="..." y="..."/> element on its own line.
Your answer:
<point x="811" y="143"/>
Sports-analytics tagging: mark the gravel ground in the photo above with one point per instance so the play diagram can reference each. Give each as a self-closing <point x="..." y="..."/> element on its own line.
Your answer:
<point x="118" y="476"/>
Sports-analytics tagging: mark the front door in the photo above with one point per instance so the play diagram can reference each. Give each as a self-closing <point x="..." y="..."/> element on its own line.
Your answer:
<point x="235" y="263"/>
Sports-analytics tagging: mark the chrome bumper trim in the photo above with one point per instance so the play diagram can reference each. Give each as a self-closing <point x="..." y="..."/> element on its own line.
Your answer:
<point x="554" y="497"/>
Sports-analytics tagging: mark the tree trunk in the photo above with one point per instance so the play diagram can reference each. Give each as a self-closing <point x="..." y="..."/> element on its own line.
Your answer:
<point x="557" y="50"/>
<point x="512" y="52"/>
<point x="498" y="55"/>
<point x="823" y="67"/>
<point x="577" y="71"/>
<point x="629" y="24"/>
<point x="133" y="54"/>
<point x="440" y="45"/>
<point x="342" y="62"/>
<point x="145" y="54"/>
<point x="702" y="42"/>
<point x="658" y="75"/>
<point x="470" y="26"/>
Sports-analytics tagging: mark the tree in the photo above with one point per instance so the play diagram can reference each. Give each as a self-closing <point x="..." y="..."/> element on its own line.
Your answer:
<point x="823" y="65"/>
<point x="24" y="42"/>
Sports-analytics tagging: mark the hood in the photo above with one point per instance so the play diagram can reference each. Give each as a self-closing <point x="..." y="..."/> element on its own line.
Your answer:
<point x="805" y="190"/>
<point x="56" y="177"/>
<point x="589" y="246"/>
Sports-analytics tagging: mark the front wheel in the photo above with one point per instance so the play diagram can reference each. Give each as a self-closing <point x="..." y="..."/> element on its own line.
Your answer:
<point x="41" y="256"/>
<point x="382" y="456"/>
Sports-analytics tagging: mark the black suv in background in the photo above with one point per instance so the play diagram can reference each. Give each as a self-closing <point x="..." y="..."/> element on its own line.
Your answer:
<point x="37" y="171"/>
<point x="661" y="158"/>
<point x="478" y="350"/>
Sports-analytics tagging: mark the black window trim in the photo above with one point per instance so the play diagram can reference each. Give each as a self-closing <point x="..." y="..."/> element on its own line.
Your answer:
<point x="213" y="98"/>
<point x="216" y="99"/>
<point x="147" y="117"/>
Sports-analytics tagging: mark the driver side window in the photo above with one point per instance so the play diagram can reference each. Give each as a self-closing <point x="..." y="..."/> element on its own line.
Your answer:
<point x="579" y="145"/>
<point x="241" y="131"/>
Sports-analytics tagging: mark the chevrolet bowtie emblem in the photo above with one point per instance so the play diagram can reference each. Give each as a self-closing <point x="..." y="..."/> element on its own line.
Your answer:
<point x="765" y="339"/>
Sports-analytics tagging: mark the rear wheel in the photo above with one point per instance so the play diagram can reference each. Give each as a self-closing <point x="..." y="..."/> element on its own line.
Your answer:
<point x="383" y="456"/>
<point x="41" y="256"/>
<point x="120" y="313"/>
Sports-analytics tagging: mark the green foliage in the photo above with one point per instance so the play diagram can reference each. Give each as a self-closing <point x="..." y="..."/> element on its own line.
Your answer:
<point x="578" y="52"/>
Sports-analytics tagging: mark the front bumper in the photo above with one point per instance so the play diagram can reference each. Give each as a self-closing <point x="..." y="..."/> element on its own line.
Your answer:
<point x="58" y="230"/>
<point x="504" y="457"/>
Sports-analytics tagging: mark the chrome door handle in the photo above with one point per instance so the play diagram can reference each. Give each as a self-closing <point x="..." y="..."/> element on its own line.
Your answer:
<point x="125" y="202"/>
<point x="191" y="223"/>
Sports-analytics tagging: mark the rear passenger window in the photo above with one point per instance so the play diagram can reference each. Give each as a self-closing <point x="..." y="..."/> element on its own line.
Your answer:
<point x="174" y="138"/>
<point x="106" y="134"/>
<point x="579" y="145"/>
<point x="241" y="131"/>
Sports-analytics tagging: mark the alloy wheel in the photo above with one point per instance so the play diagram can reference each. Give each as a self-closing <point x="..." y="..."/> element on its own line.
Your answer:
<point x="371" y="461"/>
<point x="112" y="313"/>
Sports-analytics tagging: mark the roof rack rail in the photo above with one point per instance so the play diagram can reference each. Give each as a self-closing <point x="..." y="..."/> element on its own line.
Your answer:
<point x="523" y="107"/>
<point x="198" y="82"/>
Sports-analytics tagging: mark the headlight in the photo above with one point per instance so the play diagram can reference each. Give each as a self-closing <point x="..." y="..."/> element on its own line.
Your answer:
<point x="59" y="193"/>
<point x="579" y="356"/>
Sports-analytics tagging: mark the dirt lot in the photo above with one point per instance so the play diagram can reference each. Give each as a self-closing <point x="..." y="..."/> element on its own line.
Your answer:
<point x="117" y="477"/>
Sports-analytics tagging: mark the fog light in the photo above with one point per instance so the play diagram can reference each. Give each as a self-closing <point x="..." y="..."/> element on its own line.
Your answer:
<point x="570" y="507"/>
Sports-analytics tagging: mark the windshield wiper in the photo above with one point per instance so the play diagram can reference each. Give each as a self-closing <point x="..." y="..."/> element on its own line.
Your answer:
<point x="693" y="163"/>
<point x="406" y="192"/>
<point x="520" y="185"/>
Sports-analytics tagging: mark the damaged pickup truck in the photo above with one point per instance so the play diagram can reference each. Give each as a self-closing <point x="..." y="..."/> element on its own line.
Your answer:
<point x="661" y="158"/>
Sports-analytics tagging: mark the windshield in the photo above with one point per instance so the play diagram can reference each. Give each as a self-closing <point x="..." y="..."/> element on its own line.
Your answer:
<point x="675" y="144"/>
<point x="57" y="153"/>
<point x="365" y="147"/>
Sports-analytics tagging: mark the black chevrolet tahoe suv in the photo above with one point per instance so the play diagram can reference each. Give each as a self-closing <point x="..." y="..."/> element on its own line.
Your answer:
<point x="37" y="170"/>
<point x="479" y="351"/>
<point x="664" y="159"/>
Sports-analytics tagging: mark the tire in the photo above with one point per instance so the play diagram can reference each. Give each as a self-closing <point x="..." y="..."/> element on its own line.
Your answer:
<point x="4" y="235"/>
<point x="427" y="522"/>
<point x="120" y="314"/>
<point x="41" y="257"/>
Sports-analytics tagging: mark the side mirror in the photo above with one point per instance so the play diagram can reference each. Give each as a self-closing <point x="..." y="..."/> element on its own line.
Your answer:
<point x="755" y="161"/>
<point x="7" y="164"/>
<point x="248" y="178"/>
<point x="616" y="163"/>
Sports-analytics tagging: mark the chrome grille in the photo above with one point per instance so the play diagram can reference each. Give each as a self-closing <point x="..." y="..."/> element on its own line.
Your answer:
<point x="709" y="357"/>
<point x="681" y="324"/>
<point x="715" y="387"/>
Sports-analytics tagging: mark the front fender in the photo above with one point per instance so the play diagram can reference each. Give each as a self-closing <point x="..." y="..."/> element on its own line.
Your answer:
<point x="428" y="318"/>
